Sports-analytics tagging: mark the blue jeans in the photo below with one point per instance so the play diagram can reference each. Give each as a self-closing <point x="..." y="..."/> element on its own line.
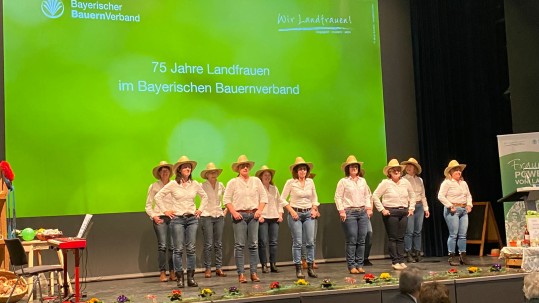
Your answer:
<point x="412" y="237"/>
<point x="368" y="242"/>
<point x="246" y="230"/>
<point x="304" y="241"/>
<point x="164" y="235"/>
<point x="395" y="225"/>
<point x="268" y="235"/>
<point x="212" y="232"/>
<point x="184" y="233"/>
<point x="457" y="224"/>
<point x="355" y="229"/>
<point x="304" y="225"/>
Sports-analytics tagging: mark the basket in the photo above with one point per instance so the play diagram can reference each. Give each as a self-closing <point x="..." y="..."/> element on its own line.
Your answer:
<point x="16" y="297"/>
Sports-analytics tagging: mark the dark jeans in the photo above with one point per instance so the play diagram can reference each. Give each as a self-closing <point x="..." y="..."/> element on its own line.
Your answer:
<point x="164" y="240"/>
<point x="396" y="224"/>
<point x="355" y="230"/>
<point x="268" y="235"/>
<point x="212" y="232"/>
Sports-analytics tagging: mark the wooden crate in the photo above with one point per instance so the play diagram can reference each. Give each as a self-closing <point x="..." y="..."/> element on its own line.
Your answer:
<point x="513" y="260"/>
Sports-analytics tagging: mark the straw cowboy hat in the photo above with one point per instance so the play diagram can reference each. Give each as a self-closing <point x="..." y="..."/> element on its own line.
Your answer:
<point x="184" y="160"/>
<point x="394" y="163"/>
<point x="263" y="169"/>
<point x="155" y="170"/>
<point x="452" y="164"/>
<point x="210" y="168"/>
<point x="350" y="160"/>
<point x="299" y="161"/>
<point x="242" y="160"/>
<point x="413" y="162"/>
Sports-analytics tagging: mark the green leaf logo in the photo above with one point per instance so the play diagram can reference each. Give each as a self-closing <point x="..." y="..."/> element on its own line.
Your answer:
<point x="52" y="8"/>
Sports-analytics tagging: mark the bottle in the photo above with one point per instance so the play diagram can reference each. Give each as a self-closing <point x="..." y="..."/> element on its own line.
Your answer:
<point x="526" y="241"/>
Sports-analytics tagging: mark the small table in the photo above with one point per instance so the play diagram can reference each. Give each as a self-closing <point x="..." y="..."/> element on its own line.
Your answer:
<point x="75" y="244"/>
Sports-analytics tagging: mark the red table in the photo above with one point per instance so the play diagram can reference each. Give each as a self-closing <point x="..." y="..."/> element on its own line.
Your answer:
<point x="66" y="244"/>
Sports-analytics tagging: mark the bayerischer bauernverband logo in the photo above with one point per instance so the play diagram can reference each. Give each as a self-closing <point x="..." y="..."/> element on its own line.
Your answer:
<point x="52" y="8"/>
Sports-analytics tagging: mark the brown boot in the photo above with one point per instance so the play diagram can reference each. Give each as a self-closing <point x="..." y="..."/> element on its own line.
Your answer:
<point x="254" y="277"/>
<point x="163" y="276"/>
<point x="241" y="278"/>
<point x="207" y="273"/>
<point x="172" y="276"/>
<point x="453" y="261"/>
<point x="463" y="260"/>
<point x="220" y="273"/>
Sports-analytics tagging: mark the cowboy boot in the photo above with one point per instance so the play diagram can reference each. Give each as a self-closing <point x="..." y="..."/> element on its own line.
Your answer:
<point x="453" y="261"/>
<point x="179" y="278"/>
<point x="303" y="263"/>
<point x="417" y="256"/>
<point x="241" y="278"/>
<point x="310" y="271"/>
<point x="163" y="277"/>
<point x="273" y="267"/>
<point x="207" y="273"/>
<point x="409" y="257"/>
<point x="220" y="273"/>
<point x="265" y="268"/>
<point x="254" y="277"/>
<point x="463" y="259"/>
<point x="172" y="276"/>
<point x="191" y="278"/>
<point x="299" y="272"/>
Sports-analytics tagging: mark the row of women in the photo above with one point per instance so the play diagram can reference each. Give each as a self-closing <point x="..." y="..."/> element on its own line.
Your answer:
<point x="256" y="208"/>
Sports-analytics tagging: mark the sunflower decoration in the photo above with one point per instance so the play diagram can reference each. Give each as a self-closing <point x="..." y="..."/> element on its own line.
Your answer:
<point x="385" y="277"/>
<point x="301" y="282"/>
<point x="206" y="293"/>
<point x="473" y="269"/>
<point x="94" y="300"/>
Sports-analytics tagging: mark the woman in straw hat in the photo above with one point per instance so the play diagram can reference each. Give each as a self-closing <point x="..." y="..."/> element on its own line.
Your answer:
<point x="455" y="196"/>
<point x="272" y="216"/>
<point x="212" y="219"/>
<point x="161" y="222"/>
<point x="412" y="237"/>
<point x="398" y="203"/>
<point x="184" y="216"/>
<point x="302" y="211"/>
<point x="245" y="199"/>
<point x="353" y="201"/>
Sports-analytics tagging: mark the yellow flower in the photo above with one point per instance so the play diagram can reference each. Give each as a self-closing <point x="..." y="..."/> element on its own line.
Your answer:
<point x="385" y="276"/>
<point x="302" y="282"/>
<point x="473" y="269"/>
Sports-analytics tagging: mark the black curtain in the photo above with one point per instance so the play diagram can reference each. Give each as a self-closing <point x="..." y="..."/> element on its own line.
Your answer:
<point x="460" y="66"/>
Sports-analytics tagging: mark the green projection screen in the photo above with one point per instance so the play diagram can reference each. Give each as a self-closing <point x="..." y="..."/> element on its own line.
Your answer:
<point x="98" y="92"/>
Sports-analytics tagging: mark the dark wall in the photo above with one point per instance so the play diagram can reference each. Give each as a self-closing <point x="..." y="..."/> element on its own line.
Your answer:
<point x="522" y="27"/>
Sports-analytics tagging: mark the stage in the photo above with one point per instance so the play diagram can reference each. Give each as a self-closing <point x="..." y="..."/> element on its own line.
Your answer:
<point x="504" y="286"/>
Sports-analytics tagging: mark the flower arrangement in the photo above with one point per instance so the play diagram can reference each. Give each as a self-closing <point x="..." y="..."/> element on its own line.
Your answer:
<point x="495" y="268"/>
<point x="206" y="292"/>
<point x="452" y="271"/>
<point x="350" y="280"/>
<point x="176" y="295"/>
<point x="327" y="283"/>
<point x="275" y="285"/>
<point x="369" y="278"/>
<point x="122" y="299"/>
<point x="385" y="277"/>
<point x="94" y="300"/>
<point x="301" y="282"/>
<point x="152" y="297"/>
<point x="233" y="291"/>
<point x="473" y="269"/>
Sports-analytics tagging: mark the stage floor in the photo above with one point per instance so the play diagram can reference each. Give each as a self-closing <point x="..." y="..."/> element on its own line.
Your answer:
<point x="146" y="288"/>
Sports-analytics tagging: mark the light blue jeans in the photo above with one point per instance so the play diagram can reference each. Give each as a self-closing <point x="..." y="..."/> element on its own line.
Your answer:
<point x="212" y="232"/>
<point x="184" y="234"/>
<point x="457" y="224"/>
<point x="412" y="237"/>
<point x="246" y="230"/>
<point x="304" y="225"/>
<point x="355" y="229"/>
